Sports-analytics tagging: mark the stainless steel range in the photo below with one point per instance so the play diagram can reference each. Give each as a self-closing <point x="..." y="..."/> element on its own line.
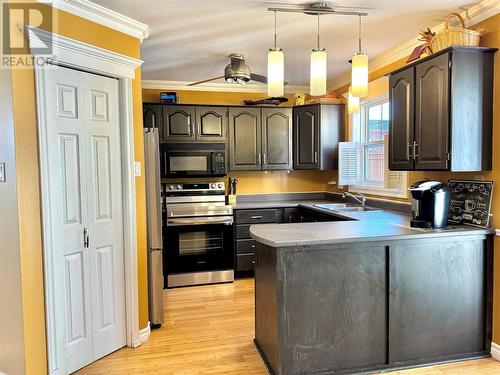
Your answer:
<point x="198" y="235"/>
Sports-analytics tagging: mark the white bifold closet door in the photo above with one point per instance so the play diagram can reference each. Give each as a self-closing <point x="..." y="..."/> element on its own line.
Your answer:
<point x="85" y="186"/>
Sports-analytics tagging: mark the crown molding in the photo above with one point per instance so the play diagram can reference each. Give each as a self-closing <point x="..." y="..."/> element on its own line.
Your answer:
<point x="103" y="16"/>
<point x="472" y="16"/>
<point x="216" y="87"/>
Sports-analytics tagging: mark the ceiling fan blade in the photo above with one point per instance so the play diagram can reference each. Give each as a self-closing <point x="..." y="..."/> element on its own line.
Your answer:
<point x="206" y="80"/>
<point x="261" y="78"/>
<point x="258" y="78"/>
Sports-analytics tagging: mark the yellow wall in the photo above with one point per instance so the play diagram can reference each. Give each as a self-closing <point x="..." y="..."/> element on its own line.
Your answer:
<point x="253" y="182"/>
<point x="491" y="38"/>
<point x="28" y="182"/>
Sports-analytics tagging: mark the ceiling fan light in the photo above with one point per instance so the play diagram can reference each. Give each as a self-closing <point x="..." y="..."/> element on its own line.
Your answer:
<point x="318" y="72"/>
<point x="359" y="79"/>
<point x="275" y="72"/>
<point x="352" y="102"/>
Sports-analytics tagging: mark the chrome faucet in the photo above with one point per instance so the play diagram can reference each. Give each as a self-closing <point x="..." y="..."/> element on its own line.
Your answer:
<point x="361" y="199"/>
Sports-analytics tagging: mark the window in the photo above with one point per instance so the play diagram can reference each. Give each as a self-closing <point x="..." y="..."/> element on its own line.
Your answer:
<point x="364" y="161"/>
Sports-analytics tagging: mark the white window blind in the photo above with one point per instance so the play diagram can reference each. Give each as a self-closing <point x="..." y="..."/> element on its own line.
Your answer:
<point x="392" y="179"/>
<point x="349" y="163"/>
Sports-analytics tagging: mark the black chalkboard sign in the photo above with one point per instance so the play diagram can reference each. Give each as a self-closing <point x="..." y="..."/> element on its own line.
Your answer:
<point x="470" y="202"/>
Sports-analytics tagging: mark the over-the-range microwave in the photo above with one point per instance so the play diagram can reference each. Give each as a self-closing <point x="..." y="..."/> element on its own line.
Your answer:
<point x="193" y="159"/>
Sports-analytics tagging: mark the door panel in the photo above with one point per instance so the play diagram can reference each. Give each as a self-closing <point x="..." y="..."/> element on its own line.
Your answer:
<point x="245" y="132"/>
<point x="432" y="114"/>
<point x="306" y="137"/>
<point x="84" y="175"/>
<point x="276" y="138"/>
<point x="179" y="123"/>
<point x="105" y="215"/>
<point x="401" y="123"/>
<point x="211" y="124"/>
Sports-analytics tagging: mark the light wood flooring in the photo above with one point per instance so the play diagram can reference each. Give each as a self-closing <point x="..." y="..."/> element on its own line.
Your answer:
<point x="209" y="331"/>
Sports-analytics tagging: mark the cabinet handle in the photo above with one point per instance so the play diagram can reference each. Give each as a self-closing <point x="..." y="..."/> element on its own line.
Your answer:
<point x="410" y="145"/>
<point x="315" y="156"/>
<point x="86" y="239"/>
<point x="256" y="217"/>
<point x="199" y="128"/>
<point x="415" y="145"/>
<point x="264" y="158"/>
<point x="259" y="158"/>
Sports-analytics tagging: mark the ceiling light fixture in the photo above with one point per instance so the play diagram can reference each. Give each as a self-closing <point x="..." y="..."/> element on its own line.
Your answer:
<point x="359" y="79"/>
<point x="318" y="69"/>
<point x="275" y="69"/>
<point x="352" y="102"/>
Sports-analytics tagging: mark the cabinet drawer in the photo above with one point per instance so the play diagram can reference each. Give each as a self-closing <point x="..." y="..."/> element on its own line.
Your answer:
<point x="243" y="231"/>
<point x="245" y="246"/>
<point x="256" y="216"/>
<point x="245" y="262"/>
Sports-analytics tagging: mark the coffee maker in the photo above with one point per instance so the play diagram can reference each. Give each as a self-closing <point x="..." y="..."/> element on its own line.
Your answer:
<point x="430" y="203"/>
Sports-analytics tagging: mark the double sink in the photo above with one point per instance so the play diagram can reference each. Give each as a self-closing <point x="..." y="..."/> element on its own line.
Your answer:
<point x="344" y="207"/>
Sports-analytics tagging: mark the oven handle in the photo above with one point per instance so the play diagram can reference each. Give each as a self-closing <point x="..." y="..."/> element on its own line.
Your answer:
<point x="226" y="220"/>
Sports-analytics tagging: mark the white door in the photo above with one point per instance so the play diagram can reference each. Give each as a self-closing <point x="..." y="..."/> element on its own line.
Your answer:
<point x="86" y="215"/>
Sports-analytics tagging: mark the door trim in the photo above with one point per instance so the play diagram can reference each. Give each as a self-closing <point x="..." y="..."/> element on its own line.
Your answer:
<point x="77" y="55"/>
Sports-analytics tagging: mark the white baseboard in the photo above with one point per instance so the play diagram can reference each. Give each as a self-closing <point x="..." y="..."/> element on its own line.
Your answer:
<point x="143" y="336"/>
<point x="495" y="351"/>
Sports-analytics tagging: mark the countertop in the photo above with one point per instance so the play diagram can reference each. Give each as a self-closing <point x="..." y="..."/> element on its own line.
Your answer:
<point x="361" y="226"/>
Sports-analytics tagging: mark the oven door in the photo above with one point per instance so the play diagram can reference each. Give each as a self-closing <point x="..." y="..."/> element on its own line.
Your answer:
<point x="199" y="244"/>
<point x="179" y="164"/>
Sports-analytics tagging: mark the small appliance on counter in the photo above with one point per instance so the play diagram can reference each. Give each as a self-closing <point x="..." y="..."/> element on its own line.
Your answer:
<point x="430" y="204"/>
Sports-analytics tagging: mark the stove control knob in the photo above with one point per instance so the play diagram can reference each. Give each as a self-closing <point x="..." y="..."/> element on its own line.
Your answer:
<point x="219" y="185"/>
<point x="171" y="187"/>
<point x="212" y="186"/>
<point x="179" y="187"/>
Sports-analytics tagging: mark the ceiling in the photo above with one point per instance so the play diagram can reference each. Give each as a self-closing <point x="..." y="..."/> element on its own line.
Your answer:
<point x="191" y="39"/>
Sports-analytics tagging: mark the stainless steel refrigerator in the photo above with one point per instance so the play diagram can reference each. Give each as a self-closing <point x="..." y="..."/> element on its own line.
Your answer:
<point x="154" y="224"/>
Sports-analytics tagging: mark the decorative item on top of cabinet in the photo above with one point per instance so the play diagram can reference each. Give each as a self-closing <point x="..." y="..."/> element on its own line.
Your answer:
<point x="260" y="138"/>
<point x="317" y="131"/>
<point x="442" y="112"/>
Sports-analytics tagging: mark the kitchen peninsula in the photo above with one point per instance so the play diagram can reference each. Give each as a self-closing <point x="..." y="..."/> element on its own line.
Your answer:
<point x="368" y="295"/>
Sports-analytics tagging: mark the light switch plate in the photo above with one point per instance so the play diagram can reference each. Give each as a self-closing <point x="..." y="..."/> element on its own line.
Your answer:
<point x="2" y="171"/>
<point x="137" y="168"/>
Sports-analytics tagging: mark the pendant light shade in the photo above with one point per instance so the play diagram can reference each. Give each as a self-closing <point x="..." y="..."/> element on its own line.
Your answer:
<point x="359" y="79"/>
<point x="318" y="73"/>
<point x="317" y="83"/>
<point x="275" y="69"/>
<point x="275" y="72"/>
<point x="352" y="102"/>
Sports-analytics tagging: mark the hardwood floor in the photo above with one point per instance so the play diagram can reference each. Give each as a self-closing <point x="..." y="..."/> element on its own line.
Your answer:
<point x="209" y="331"/>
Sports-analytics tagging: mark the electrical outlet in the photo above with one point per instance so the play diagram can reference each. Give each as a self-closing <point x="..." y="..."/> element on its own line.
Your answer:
<point x="2" y="171"/>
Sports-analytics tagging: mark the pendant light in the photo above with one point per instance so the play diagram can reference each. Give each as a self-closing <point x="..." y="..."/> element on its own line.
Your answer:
<point x="352" y="102"/>
<point x="318" y="70"/>
<point x="275" y="69"/>
<point x="359" y="78"/>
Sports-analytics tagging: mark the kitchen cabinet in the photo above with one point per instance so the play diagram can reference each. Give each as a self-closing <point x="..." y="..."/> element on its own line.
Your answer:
<point x="153" y="117"/>
<point x="178" y="123"/>
<point x="260" y="139"/>
<point x="317" y="130"/>
<point x="211" y="124"/>
<point x="441" y="113"/>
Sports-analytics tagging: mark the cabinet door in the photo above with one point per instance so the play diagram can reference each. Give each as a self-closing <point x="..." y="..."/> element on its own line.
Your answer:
<point x="436" y="298"/>
<point x="306" y="137"/>
<point x="276" y="138"/>
<point x="211" y="124"/>
<point x="244" y="134"/>
<point x="153" y="117"/>
<point x="432" y="114"/>
<point x="178" y="123"/>
<point x="401" y="125"/>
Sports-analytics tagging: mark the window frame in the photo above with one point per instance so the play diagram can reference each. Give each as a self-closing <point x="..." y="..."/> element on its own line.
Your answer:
<point x="359" y="133"/>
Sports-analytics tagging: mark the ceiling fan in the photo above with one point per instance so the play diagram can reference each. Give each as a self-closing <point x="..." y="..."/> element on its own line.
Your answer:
<point x="236" y="72"/>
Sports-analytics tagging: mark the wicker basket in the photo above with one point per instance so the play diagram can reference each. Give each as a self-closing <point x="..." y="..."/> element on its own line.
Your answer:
<point x="455" y="36"/>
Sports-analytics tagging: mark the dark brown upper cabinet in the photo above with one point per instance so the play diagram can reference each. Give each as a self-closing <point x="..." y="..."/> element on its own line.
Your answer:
<point x="153" y="117"/>
<point x="260" y="139"/>
<point x="211" y="124"/>
<point x="276" y="138"/>
<point x="442" y="112"/>
<point x="179" y="123"/>
<point x="244" y="139"/>
<point x="317" y="130"/>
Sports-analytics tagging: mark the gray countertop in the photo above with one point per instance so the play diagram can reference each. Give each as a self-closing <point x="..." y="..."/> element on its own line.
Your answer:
<point x="361" y="226"/>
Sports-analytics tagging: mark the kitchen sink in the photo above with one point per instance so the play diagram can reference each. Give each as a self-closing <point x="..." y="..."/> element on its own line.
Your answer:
<point x="342" y="207"/>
